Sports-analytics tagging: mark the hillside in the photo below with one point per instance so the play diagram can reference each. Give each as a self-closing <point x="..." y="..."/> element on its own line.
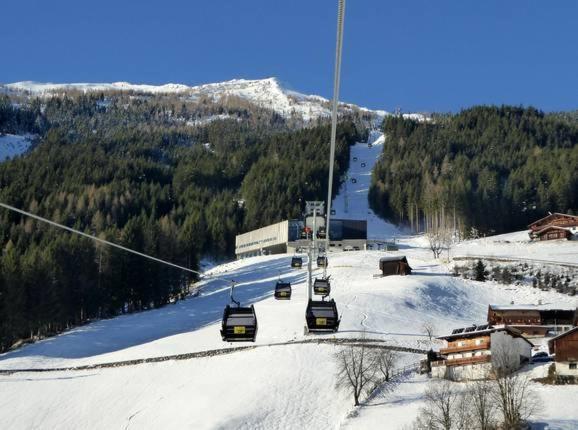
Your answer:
<point x="494" y="168"/>
<point x="266" y="93"/>
<point x="283" y="386"/>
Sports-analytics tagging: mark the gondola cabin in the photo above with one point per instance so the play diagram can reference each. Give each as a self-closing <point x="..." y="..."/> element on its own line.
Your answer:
<point x="283" y="290"/>
<point x="322" y="261"/>
<point x="322" y="316"/>
<point x="296" y="262"/>
<point x="239" y="324"/>
<point x="321" y="287"/>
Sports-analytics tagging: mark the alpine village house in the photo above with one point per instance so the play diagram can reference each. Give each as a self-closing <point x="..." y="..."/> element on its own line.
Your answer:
<point x="554" y="226"/>
<point x="475" y="352"/>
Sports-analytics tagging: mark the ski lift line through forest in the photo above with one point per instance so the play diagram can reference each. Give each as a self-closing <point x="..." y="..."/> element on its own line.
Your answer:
<point x="97" y="239"/>
<point x="336" y="80"/>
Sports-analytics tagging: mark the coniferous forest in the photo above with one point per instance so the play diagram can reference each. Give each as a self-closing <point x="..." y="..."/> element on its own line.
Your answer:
<point x="496" y="169"/>
<point x="145" y="173"/>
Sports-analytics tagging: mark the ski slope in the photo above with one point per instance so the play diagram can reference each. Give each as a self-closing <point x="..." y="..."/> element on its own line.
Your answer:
<point x="269" y="387"/>
<point x="351" y="201"/>
<point x="13" y="145"/>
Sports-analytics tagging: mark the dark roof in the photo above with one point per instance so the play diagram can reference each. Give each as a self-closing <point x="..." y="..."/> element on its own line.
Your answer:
<point x="393" y="258"/>
<point x="552" y="227"/>
<point x="478" y="330"/>
<point x="551" y="215"/>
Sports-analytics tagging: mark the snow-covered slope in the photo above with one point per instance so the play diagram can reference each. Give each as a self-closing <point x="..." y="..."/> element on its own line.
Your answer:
<point x="351" y="202"/>
<point x="519" y="246"/>
<point x="269" y="387"/>
<point x="267" y="93"/>
<point x="12" y="145"/>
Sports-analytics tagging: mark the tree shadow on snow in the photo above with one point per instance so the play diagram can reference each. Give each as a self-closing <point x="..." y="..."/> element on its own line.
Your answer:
<point x="254" y="283"/>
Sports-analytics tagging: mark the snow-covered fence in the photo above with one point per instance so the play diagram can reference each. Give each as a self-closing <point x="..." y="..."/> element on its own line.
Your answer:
<point x="515" y="260"/>
<point x="368" y="343"/>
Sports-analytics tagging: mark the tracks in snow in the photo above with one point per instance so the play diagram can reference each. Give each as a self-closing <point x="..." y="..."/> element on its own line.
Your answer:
<point x="355" y="342"/>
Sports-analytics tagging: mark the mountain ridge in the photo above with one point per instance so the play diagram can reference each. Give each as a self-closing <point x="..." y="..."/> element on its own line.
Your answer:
<point x="267" y="93"/>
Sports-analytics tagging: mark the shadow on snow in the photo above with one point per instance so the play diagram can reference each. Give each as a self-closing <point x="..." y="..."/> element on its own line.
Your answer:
<point x="255" y="282"/>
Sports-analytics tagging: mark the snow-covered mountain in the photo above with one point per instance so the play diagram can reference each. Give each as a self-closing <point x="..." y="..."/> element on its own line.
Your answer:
<point x="267" y="93"/>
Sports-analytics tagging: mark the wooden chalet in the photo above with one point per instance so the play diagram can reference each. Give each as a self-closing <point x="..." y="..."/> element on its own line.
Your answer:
<point x="564" y="347"/>
<point x="467" y="354"/>
<point x="554" y="226"/>
<point x="394" y="266"/>
<point x="534" y="320"/>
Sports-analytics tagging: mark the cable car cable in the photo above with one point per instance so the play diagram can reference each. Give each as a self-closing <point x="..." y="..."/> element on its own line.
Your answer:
<point x="97" y="239"/>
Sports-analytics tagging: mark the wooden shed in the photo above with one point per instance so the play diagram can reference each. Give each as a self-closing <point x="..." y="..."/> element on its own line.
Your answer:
<point x="565" y="348"/>
<point x="394" y="266"/>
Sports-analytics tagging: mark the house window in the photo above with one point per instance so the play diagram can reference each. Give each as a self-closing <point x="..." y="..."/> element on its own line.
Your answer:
<point x="572" y="366"/>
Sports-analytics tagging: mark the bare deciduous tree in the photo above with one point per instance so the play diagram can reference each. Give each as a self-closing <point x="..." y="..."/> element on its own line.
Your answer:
<point x="515" y="399"/>
<point x="356" y="370"/>
<point x="439" y="239"/>
<point x="513" y="394"/>
<point x="483" y="407"/>
<point x="429" y="328"/>
<point x="441" y="407"/>
<point x="385" y="360"/>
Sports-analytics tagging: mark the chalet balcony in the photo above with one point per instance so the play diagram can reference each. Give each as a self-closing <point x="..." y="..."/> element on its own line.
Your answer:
<point x="478" y="359"/>
<point x="465" y="348"/>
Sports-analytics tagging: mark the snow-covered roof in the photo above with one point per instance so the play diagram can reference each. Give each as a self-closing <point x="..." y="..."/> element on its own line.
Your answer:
<point x="534" y="307"/>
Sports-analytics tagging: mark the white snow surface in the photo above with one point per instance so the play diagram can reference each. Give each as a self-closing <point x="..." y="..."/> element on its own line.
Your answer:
<point x="13" y="145"/>
<point x="351" y="202"/>
<point x="518" y="245"/>
<point x="270" y="387"/>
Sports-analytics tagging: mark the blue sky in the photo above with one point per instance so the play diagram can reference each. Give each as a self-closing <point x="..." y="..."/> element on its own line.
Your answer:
<point x="414" y="55"/>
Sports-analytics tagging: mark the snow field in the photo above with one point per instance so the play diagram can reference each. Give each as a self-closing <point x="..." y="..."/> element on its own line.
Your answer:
<point x="12" y="145"/>
<point x="289" y="386"/>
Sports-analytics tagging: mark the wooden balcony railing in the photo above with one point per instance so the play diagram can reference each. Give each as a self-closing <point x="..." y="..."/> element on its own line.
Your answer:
<point x="456" y="349"/>
<point x="463" y="361"/>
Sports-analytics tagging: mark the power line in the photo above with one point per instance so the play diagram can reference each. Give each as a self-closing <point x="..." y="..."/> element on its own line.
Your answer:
<point x="336" y="80"/>
<point x="97" y="239"/>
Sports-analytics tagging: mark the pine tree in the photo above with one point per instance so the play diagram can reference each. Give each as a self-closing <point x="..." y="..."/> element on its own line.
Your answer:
<point x="480" y="273"/>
